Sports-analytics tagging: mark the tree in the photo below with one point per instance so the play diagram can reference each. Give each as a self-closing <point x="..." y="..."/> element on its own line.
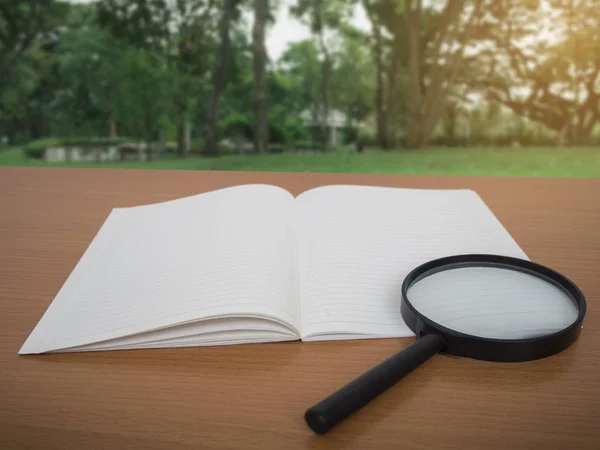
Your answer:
<point x="219" y="77"/>
<point x="390" y="58"/>
<point x="428" y="39"/>
<point x="27" y="36"/>
<point x="542" y="60"/>
<point x="261" y="15"/>
<point x="436" y="45"/>
<point x="322" y="15"/>
<point x="101" y="81"/>
<point x="193" y="42"/>
<point x="178" y="34"/>
<point x="236" y="110"/>
<point x="353" y="77"/>
<point x="300" y="62"/>
<point x="143" y="94"/>
<point x="87" y="68"/>
<point x="26" y="99"/>
<point x="21" y="25"/>
<point x="377" y="48"/>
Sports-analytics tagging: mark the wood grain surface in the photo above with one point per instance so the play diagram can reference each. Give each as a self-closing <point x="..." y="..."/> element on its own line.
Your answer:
<point x="254" y="396"/>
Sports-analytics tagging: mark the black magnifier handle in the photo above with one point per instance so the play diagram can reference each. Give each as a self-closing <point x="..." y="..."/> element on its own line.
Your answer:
<point x="356" y="394"/>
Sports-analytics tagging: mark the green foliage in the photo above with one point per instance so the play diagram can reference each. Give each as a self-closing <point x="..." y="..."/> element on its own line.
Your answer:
<point x="144" y="92"/>
<point x="141" y="23"/>
<point x="88" y="68"/>
<point x="143" y="68"/>
<point x="305" y="145"/>
<point x="353" y="80"/>
<point x="367" y="138"/>
<point x="300" y="71"/>
<point x="556" y="76"/>
<point x="22" y="25"/>
<point x="276" y="148"/>
<point x="170" y="147"/>
<point x="76" y="142"/>
<point x="35" y="149"/>
<point x="290" y="129"/>
<point x="322" y="14"/>
<point x="197" y="146"/>
<point x="237" y="125"/>
<point x="225" y="148"/>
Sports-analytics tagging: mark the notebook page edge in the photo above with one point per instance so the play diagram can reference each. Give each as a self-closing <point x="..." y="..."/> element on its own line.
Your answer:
<point x="240" y="322"/>
<point x="268" y="319"/>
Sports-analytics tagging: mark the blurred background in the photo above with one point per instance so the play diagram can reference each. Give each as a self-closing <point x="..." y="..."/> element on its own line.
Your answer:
<point x="475" y="87"/>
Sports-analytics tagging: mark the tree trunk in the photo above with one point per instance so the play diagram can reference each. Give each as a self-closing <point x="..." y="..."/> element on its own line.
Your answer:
<point x="161" y="140"/>
<point x="315" y="129"/>
<point x="592" y="119"/>
<point x="413" y="26"/>
<point x="148" y="128"/>
<point x="431" y="118"/>
<point x="182" y="142"/>
<point x="218" y="79"/>
<point x="325" y="68"/>
<point x="380" y="116"/>
<point x="392" y="112"/>
<point x="261" y="130"/>
<point x="187" y="134"/>
<point x="450" y="122"/>
<point x="425" y="103"/>
<point x="112" y="126"/>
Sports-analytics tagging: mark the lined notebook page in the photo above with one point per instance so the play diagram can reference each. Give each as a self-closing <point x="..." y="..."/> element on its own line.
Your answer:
<point x="225" y="253"/>
<point x="356" y="244"/>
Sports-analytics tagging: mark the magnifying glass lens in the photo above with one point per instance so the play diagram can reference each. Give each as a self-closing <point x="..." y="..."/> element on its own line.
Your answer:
<point x="493" y="302"/>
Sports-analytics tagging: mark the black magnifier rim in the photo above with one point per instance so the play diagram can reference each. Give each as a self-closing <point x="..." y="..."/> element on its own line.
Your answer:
<point x="488" y="349"/>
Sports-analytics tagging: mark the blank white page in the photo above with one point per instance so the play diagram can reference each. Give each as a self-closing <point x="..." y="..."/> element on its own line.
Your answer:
<point x="224" y="253"/>
<point x="357" y="243"/>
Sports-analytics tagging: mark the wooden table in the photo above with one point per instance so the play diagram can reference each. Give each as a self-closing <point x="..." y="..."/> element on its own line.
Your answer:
<point x="254" y="396"/>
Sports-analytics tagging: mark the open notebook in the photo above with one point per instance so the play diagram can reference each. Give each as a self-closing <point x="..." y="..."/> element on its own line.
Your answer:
<point x="251" y="263"/>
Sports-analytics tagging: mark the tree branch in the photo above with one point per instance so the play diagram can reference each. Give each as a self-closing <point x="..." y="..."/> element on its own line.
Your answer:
<point x="31" y="28"/>
<point x="441" y="23"/>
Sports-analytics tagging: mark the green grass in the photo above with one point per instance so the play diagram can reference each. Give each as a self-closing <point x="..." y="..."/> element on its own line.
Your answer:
<point x="578" y="162"/>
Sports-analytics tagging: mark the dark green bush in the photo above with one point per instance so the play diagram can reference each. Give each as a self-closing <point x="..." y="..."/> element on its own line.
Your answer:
<point x="305" y="145"/>
<point x="35" y="149"/>
<point x="93" y="142"/>
<point x="225" y="148"/>
<point x="197" y="146"/>
<point x="170" y="147"/>
<point x="34" y="153"/>
<point x="367" y="139"/>
<point x="275" y="148"/>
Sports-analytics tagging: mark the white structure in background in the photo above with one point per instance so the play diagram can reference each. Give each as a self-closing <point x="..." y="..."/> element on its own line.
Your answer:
<point x="124" y="151"/>
<point x="59" y="154"/>
<point x="337" y="123"/>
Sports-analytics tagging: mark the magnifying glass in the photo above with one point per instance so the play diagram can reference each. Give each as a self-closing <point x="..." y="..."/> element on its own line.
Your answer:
<point x="486" y="307"/>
